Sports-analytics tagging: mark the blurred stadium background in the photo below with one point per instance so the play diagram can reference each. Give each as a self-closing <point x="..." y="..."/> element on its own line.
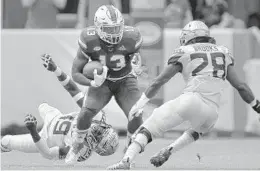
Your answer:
<point x="33" y="27"/>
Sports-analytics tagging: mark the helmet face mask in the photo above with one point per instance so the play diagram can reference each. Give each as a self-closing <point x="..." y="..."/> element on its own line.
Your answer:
<point x="109" y="24"/>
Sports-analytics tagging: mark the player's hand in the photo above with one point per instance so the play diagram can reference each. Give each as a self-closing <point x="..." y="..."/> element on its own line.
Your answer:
<point x="135" y="112"/>
<point x="48" y="63"/>
<point x="99" y="79"/>
<point x="257" y="106"/>
<point x="30" y="122"/>
<point x="137" y="64"/>
<point x="137" y="109"/>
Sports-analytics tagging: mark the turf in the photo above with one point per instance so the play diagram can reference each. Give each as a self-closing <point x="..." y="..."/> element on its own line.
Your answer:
<point x="214" y="154"/>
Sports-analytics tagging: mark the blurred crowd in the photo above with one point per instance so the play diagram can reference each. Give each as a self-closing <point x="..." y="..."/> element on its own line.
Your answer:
<point x="75" y="13"/>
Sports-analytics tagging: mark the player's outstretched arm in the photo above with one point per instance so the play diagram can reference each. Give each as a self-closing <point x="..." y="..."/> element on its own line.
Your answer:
<point x="78" y="64"/>
<point x="40" y="143"/>
<point x="243" y="89"/>
<point x="168" y="72"/>
<point x="64" y="79"/>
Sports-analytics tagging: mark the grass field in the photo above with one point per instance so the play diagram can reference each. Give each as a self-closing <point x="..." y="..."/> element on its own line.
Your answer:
<point x="215" y="154"/>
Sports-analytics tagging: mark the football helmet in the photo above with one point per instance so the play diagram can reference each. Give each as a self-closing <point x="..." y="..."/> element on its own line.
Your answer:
<point x="192" y="30"/>
<point x="109" y="24"/>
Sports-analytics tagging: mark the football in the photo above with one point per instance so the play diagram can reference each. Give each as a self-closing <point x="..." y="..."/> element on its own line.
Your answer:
<point x="90" y="67"/>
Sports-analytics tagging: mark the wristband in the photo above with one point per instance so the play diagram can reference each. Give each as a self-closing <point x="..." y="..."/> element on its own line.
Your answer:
<point x="143" y="100"/>
<point x="66" y="81"/>
<point x="253" y="103"/>
<point x="58" y="71"/>
<point x="78" y="96"/>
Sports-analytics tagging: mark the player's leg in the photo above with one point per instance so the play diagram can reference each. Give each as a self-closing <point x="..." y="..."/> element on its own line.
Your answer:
<point x="95" y="99"/>
<point x="201" y="116"/>
<point x="126" y="96"/>
<point x="161" y="120"/>
<point x="23" y="143"/>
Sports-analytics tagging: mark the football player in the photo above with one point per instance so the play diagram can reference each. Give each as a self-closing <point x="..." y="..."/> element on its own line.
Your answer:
<point x="55" y="138"/>
<point x="114" y="45"/>
<point x="205" y="66"/>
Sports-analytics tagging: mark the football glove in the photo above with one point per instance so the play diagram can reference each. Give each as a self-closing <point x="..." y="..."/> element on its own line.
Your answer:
<point x="30" y="122"/>
<point x="99" y="79"/>
<point x="137" y="64"/>
<point x="137" y="109"/>
<point x="48" y="63"/>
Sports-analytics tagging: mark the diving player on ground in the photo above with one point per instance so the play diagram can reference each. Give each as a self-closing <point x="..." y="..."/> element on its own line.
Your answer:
<point x="114" y="45"/>
<point x="55" y="138"/>
<point x="205" y="66"/>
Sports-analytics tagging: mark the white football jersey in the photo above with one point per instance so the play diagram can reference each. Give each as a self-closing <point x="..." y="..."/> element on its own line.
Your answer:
<point x="204" y="68"/>
<point x="60" y="129"/>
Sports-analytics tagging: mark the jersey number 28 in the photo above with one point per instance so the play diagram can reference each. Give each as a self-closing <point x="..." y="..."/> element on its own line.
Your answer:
<point x="217" y="60"/>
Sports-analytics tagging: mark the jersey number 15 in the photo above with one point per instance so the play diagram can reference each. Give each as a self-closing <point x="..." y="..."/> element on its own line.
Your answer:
<point x="63" y="125"/>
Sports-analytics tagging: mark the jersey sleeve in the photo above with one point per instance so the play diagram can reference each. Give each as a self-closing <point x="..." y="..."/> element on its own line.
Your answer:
<point x="86" y="40"/>
<point x="138" y="40"/>
<point x="45" y="151"/>
<point x="229" y="56"/>
<point x="133" y="39"/>
<point x="82" y="41"/>
<point x="230" y="59"/>
<point x="177" y="57"/>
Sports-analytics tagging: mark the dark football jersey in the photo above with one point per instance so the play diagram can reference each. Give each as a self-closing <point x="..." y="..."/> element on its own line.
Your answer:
<point x="116" y="57"/>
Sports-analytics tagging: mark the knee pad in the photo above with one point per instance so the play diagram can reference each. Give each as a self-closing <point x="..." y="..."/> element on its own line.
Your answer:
<point x="194" y="134"/>
<point x="134" y="124"/>
<point x="147" y="133"/>
<point x="142" y="138"/>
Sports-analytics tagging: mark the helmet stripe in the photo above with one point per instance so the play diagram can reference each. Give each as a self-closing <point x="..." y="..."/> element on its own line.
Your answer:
<point x="112" y="14"/>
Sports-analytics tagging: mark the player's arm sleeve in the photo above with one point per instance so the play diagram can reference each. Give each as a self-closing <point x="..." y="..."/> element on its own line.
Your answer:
<point x="46" y="152"/>
<point x="243" y="89"/>
<point x="178" y="58"/>
<point x="168" y="72"/>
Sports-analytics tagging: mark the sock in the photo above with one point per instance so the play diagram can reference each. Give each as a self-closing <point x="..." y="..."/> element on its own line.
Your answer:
<point x="23" y="143"/>
<point x="136" y="147"/>
<point x="184" y="140"/>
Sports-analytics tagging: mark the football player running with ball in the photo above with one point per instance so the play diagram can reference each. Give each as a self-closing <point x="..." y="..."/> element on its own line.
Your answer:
<point x="113" y="44"/>
<point x="205" y="66"/>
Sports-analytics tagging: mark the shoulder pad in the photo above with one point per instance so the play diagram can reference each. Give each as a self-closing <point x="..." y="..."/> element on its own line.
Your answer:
<point x="133" y="36"/>
<point x="177" y="54"/>
<point x="224" y="49"/>
<point x="88" y="39"/>
<point x="179" y="50"/>
<point x="227" y="52"/>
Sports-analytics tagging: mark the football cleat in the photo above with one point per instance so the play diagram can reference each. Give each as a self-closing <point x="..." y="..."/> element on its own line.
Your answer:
<point x="158" y="159"/>
<point x="122" y="165"/>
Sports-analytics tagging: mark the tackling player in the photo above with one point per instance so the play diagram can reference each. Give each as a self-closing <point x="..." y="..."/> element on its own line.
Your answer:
<point x="205" y="66"/>
<point x="114" y="45"/>
<point x="54" y="139"/>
